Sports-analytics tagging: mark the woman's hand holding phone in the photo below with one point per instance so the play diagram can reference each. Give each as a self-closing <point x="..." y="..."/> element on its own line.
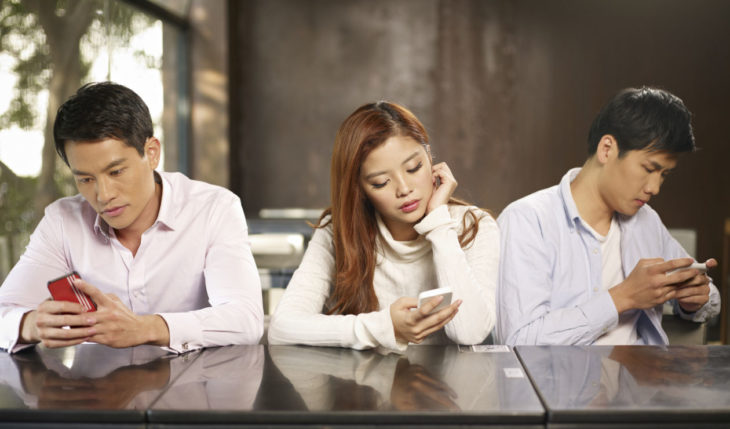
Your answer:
<point x="412" y="324"/>
<point x="444" y="185"/>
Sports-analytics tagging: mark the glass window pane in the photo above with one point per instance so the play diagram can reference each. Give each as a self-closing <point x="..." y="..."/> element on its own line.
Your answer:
<point x="46" y="54"/>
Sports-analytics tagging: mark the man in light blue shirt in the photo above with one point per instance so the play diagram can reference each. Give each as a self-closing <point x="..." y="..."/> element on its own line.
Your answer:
<point x="588" y="261"/>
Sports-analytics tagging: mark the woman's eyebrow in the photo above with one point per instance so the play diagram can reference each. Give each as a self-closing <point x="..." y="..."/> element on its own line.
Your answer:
<point x="378" y="173"/>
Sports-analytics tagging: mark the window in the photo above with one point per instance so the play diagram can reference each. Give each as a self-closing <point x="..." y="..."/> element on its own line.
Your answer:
<point x="46" y="54"/>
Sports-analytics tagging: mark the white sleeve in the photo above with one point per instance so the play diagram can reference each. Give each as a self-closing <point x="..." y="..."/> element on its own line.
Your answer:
<point x="470" y="272"/>
<point x="25" y="286"/>
<point x="298" y="318"/>
<point x="235" y="315"/>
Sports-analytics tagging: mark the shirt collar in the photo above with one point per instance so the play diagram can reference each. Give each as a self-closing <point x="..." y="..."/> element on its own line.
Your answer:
<point x="571" y="210"/>
<point x="165" y="216"/>
<point x="101" y="227"/>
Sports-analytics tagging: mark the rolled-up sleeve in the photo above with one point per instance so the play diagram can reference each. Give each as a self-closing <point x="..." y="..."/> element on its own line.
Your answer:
<point x="673" y="250"/>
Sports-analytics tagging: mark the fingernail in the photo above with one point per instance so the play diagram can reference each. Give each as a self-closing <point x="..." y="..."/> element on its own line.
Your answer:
<point x="90" y="321"/>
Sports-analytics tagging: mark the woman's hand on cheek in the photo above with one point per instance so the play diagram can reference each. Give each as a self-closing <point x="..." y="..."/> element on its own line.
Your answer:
<point x="413" y="325"/>
<point x="444" y="186"/>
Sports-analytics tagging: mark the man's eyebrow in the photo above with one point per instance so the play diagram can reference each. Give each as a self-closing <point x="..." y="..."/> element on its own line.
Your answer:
<point x="378" y="173"/>
<point x="656" y="165"/>
<point x="108" y="167"/>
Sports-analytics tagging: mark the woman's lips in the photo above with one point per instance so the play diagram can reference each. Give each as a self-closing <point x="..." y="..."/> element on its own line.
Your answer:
<point x="410" y="206"/>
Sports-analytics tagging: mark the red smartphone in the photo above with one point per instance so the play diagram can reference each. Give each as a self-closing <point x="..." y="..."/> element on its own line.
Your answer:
<point x="63" y="289"/>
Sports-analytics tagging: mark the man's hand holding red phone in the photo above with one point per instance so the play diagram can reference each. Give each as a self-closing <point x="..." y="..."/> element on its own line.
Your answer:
<point x="61" y="323"/>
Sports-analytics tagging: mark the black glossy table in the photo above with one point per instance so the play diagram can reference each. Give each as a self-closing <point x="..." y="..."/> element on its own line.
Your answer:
<point x="643" y="386"/>
<point x="93" y="386"/>
<point x="257" y="386"/>
<point x="317" y="386"/>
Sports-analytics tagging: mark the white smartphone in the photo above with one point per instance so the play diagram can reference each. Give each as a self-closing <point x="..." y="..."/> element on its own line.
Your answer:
<point x="697" y="266"/>
<point x="427" y="295"/>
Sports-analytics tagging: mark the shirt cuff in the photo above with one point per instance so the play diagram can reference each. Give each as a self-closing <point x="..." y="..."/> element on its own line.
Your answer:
<point x="702" y="314"/>
<point x="186" y="333"/>
<point x="438" y="217"/>
<point x="11" y="330"/>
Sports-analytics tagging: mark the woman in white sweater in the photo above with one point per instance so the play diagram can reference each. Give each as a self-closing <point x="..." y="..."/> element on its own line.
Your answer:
<point x="393" y="230"/>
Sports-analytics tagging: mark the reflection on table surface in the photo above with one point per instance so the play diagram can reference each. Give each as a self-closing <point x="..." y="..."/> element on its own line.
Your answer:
<point x="653" y="381"/>
<point x="310" y="380"/>
<point x="343" y="384"/>
<point x="425" y="379"/>
<point x="85" y="377"/>
<point x="331" y="386"/>
<point x="220" y="378"/>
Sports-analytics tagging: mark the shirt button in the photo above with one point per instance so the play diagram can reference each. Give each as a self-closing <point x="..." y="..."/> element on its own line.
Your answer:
<point x="595" y="289"/>
<point x="595" y="251"/>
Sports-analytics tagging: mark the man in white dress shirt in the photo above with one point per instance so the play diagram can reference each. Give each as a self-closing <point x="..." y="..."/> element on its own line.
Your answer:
<point x="166" y="259"/>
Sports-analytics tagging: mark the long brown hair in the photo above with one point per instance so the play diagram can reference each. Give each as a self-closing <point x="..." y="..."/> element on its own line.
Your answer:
<point x="354" y="227"/>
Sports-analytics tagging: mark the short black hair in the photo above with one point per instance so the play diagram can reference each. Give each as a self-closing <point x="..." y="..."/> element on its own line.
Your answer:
<point x="644" y="118"/>
<point x="100" y="111"/>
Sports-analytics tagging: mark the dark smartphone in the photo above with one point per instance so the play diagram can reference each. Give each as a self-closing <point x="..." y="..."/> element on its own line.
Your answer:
<point x="63" y="289"/>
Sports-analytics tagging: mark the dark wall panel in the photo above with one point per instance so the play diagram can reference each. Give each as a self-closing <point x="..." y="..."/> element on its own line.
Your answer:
<point x="304" y="66"/>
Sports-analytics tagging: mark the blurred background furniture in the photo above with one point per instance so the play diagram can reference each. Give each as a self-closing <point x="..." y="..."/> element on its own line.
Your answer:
<point x="278" y="240"/>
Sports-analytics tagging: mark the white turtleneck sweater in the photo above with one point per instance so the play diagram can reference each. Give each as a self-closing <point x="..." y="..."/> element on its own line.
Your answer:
<point x="404" y="268"/>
